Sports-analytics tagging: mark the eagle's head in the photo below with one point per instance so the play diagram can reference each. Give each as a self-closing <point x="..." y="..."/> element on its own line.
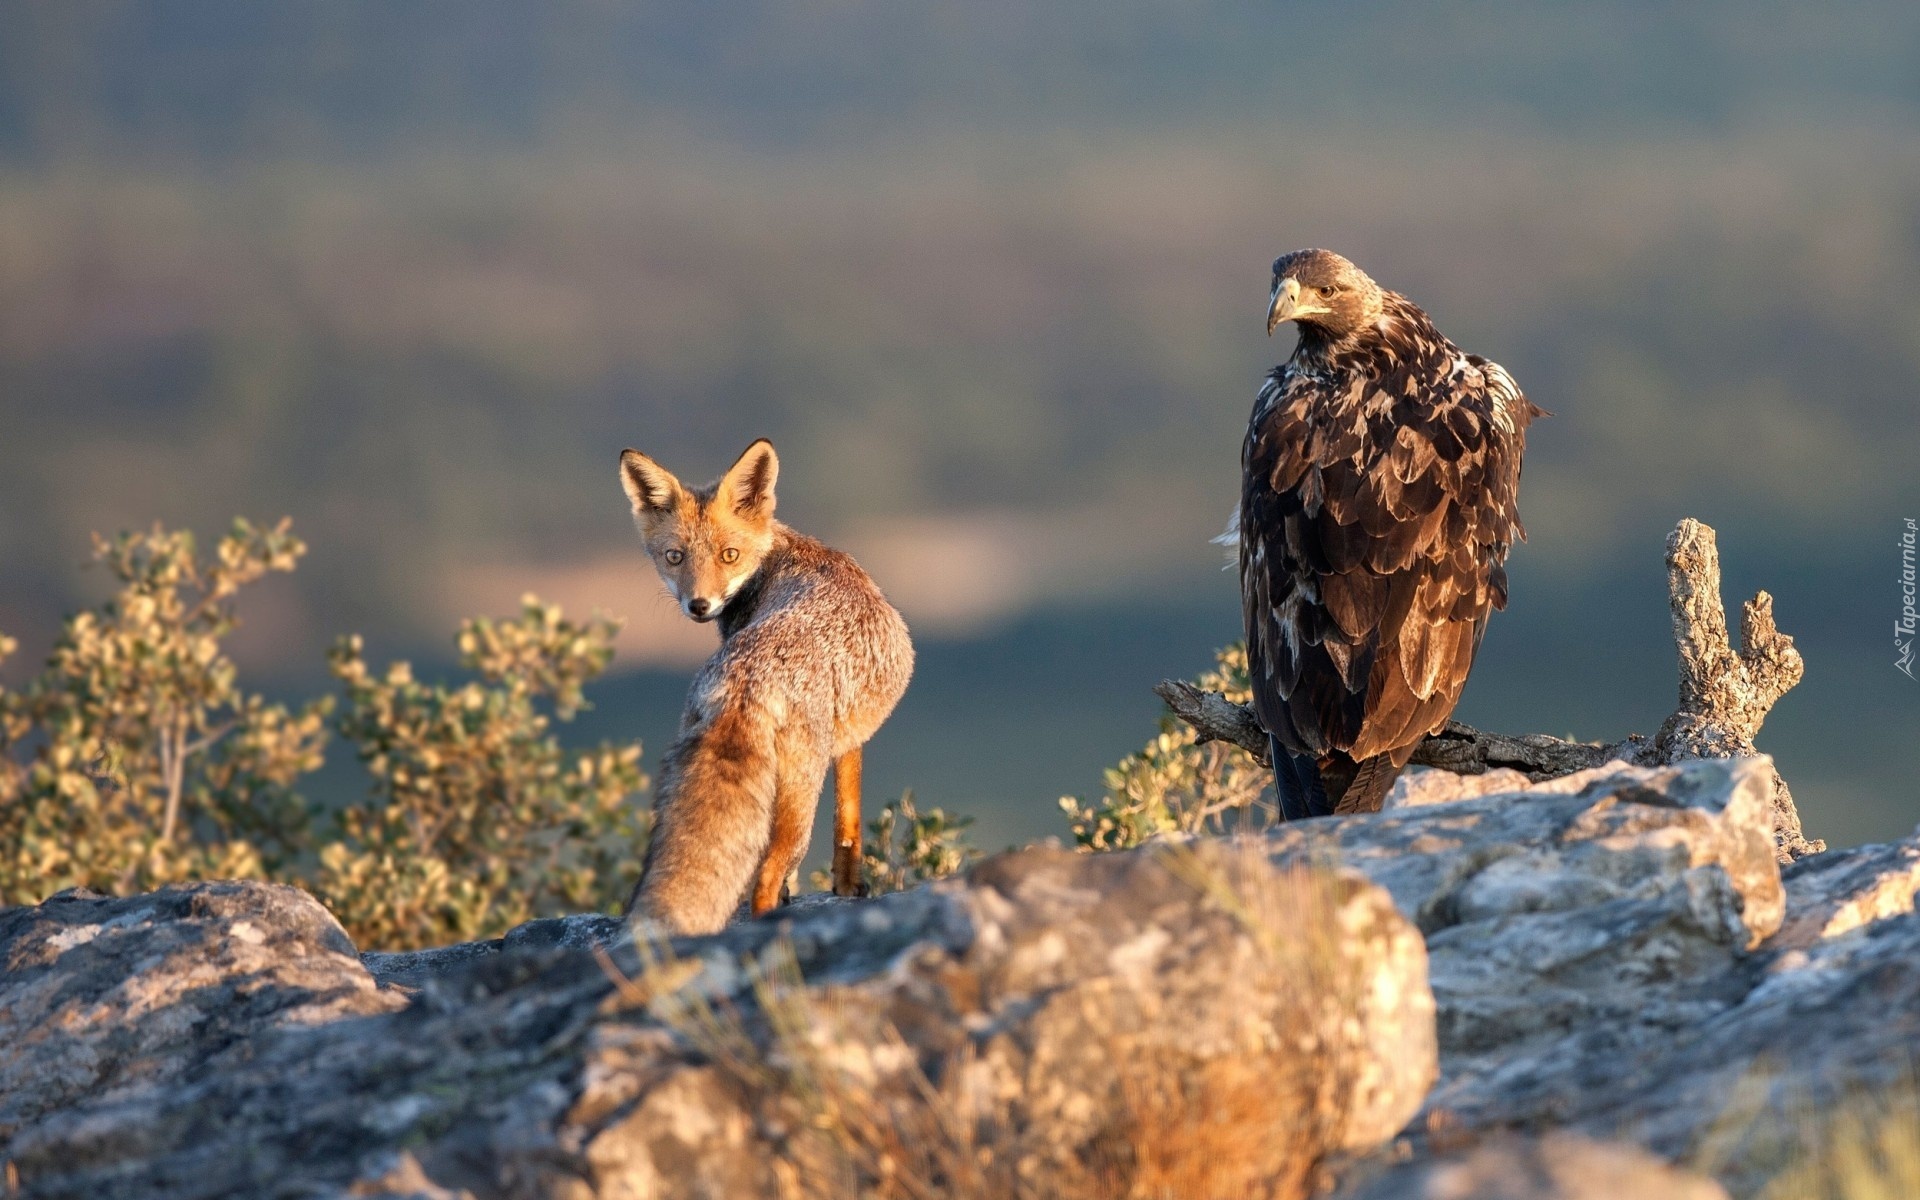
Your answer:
<point x="1323" y="291"/>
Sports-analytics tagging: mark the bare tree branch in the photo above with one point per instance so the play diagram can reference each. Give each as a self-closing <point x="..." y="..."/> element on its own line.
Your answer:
<point x="1216" y="718"/>
<point x="1459" y="747"/>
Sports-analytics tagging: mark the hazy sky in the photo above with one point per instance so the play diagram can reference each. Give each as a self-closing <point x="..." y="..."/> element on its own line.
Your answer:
<point x="992" y="277"/>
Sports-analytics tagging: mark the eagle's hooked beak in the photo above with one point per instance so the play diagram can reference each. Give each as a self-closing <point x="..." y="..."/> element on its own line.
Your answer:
<point x="1286" y="305"/>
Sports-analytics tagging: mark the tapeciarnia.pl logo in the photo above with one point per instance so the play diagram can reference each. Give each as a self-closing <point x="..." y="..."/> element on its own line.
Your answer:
<point x="1903" y="626"/>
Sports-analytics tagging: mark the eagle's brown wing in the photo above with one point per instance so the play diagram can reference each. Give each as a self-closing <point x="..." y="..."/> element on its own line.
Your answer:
<point x="1376" y="512"/>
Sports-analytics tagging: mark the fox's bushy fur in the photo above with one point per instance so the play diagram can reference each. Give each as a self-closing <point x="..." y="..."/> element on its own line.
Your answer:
<point x="812" y="660"/>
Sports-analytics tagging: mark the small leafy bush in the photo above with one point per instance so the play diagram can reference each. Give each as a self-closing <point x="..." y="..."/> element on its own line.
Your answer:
<point x="479" y="820"/>
<point x="1174" y="784"/>
<point x="905" y="848"/>
<point x="134" y="759"/>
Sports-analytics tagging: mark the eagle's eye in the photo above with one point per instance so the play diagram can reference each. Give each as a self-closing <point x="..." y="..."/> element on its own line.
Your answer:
<point x="674" y="557"/>
<point x="1327" y="289"/>
<point x="729" y="555"/>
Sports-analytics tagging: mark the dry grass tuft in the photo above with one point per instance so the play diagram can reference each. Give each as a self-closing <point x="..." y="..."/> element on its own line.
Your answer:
<point x="1866" y="1149"/>
<point x="1864" y="1146"/>
<point x="1223" y="1127"/>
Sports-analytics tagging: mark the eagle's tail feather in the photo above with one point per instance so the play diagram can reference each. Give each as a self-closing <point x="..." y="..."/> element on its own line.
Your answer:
<point x="1368" y="786"/>
<point x="1310" y="787"/>
<point x="1296" y="778"/>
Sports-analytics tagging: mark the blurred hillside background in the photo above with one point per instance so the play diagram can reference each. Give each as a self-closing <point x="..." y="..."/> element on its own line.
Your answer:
<point x="992" y="276"/>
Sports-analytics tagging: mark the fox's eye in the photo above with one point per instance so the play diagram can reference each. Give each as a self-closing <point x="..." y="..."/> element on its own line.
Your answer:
<point x="729" y="555"/>
<point x="674" y="557"/>
<point x="1327" y="289"/>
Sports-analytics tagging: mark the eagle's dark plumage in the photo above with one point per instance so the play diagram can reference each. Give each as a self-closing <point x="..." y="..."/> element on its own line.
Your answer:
<point x="1377" y="504"/>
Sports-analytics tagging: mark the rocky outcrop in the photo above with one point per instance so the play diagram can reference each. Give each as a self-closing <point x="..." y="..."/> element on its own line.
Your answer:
<point x="1537" y="991"/>
<point x="254" y="1055"/>
<point x="1803" y="1040"/>
<point x="409" y="969"/>
<point x="1840" y="891"/>
<point x="126" y="999"/>
<point x="1617" y="898"/>
<point x="1633" y="971"/>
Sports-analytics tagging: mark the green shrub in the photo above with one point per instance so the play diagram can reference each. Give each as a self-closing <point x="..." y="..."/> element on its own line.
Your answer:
<point x="134" y="759"/>
<point x="905" y="848"/>
<point x="479" y="820"/>
<point x="1174" y="784"/>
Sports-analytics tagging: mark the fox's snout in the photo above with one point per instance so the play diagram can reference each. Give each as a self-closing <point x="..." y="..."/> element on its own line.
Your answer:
<point x="702" y="588"/>
<point x="699" y="583"/>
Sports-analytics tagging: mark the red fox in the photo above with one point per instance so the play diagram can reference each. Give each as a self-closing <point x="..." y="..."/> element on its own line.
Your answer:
<point x="812" y="660"/>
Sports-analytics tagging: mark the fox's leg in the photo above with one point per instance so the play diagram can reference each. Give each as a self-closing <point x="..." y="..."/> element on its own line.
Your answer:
<point x="796" y="796"/>
<point x="846" y="825"/>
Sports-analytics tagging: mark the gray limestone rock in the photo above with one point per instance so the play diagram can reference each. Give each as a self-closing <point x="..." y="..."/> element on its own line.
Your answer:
<point x="1635" y="973"/>
<point x="224" y="1040"/>
<point x="128" y="1000"/>
<point x="1526" y="991"/>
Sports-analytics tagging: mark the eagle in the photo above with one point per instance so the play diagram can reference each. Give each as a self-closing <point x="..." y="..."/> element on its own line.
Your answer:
<point x="1379" y="496"/>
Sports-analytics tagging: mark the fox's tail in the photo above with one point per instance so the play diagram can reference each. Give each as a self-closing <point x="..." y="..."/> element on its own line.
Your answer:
<point x="712" y="820"/>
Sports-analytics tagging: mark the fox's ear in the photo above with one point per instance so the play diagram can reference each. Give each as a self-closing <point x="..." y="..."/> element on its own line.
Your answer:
<point x="748" y="483"/>
<point x="650" y="487"/>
